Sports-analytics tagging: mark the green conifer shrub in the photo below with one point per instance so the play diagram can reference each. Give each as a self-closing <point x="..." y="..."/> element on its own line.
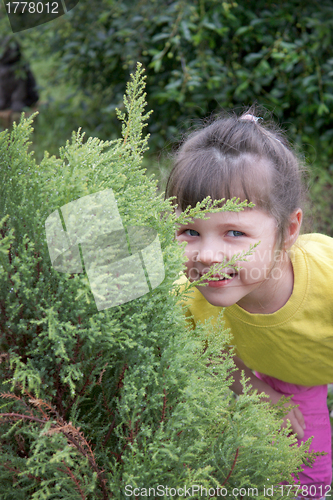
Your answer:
<point x="95" y="401"/>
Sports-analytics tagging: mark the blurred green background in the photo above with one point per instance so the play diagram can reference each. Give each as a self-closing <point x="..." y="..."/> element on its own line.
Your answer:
<point x="200" y="56"/>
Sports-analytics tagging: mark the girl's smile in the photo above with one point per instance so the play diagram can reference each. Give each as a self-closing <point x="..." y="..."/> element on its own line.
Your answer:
<point x="222" y="281"/>
<point x="265" y="281"/>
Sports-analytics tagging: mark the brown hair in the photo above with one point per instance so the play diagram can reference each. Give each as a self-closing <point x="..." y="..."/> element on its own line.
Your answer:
<point x="239" y="157"/>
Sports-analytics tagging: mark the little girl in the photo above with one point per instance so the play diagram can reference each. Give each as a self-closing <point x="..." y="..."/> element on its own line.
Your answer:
<point x="279" y="305"/>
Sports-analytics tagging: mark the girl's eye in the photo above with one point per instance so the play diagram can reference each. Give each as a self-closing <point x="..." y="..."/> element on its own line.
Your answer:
<point x="235" y="233"/>
<point x="191" y="232"/>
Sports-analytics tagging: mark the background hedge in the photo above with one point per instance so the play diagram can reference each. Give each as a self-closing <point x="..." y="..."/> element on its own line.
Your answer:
<point x="199" y="56"/>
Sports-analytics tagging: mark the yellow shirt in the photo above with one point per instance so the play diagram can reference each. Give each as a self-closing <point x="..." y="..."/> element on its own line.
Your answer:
<point x="295" y="343"/>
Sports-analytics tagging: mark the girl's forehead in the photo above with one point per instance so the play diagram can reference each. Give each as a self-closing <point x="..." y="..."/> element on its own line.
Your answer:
<point x="245" y="177"/>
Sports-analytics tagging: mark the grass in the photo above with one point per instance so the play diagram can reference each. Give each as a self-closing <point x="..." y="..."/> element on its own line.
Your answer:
<point x="321" y="194"/>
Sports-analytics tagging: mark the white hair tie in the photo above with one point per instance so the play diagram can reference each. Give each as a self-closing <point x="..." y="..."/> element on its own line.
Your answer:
<point x="254" y="119"/>
<point x="251" y="118"/>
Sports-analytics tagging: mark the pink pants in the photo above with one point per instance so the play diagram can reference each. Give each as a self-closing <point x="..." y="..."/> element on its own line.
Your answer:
<point x="312" y="402"/>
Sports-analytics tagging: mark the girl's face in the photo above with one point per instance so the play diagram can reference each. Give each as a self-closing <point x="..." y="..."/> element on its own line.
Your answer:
<point x="265" y="281"/>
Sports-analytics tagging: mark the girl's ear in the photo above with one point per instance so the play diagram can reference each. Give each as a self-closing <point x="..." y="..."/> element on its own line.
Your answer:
<point x="294" y="227"/>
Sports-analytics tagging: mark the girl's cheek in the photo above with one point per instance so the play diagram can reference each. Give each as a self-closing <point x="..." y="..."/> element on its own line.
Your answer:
<point x="192" y="255"/>
<point x="196" y="256"/>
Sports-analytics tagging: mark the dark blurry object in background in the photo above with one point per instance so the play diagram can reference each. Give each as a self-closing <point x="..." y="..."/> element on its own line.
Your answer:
<point x="18" y="88"/>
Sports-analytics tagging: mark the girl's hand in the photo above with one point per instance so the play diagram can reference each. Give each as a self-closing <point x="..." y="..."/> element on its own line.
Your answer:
<point x="295" y="416"/>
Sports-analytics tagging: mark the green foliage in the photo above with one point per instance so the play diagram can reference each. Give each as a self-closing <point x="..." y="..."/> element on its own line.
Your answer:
<point x="201" y="55"/>
<point x="322" y="204"/>
<point x="92" y="401"/>
<point x="5" y="28"/>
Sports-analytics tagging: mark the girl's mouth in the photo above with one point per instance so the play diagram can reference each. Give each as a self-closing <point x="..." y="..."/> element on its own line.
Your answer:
<point x="222" y="281"/>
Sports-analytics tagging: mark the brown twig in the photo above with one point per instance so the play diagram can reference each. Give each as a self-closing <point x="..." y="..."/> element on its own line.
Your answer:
<point x="232" y="467"/>
<point x="73" y="436"/>
<point x="112" y="426"/>
<point x="71" y="475"/>
<point x="121" y="378"/>
<point x="101" y="374"/>
<point x="17" y="471"/>
<point x="21" y="416"/>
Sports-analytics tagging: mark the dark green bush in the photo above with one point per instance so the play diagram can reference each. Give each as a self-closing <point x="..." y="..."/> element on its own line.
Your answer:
<point x="92" y="401"/>
<point x="201" y="55"/>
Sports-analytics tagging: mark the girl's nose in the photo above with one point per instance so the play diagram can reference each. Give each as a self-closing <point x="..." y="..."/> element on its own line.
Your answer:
<point x="211" y="254"/>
